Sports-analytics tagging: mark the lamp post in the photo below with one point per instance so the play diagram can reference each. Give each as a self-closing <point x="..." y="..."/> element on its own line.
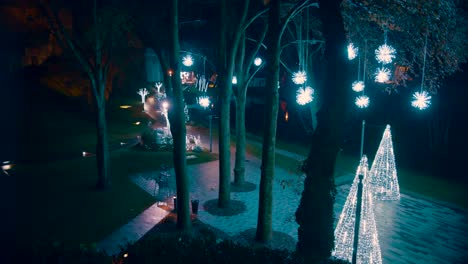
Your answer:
<point x="357" y="223"/>
<point x="362" y="136"/>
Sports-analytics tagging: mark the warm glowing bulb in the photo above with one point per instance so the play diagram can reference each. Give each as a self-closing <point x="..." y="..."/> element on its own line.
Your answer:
<point x="421" y="100"/>
<point x="187" y="60"/>
<point x="299" y="77"/>
<point x="234" y="80"/>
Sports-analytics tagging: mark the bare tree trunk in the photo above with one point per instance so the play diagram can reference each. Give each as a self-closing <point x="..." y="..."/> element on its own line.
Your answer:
<point x="224" y="142"/>
<point x="178" y="129"/>
<point x="239" y="170"/>
<point x="265" y="207"/>
<point x="226" y="59"/>
<point x="102" y="147"/>
<point x="315" y="213"/>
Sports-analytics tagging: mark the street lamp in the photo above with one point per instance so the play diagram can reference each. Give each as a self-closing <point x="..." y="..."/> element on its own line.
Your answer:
<point x="258" y="61"/>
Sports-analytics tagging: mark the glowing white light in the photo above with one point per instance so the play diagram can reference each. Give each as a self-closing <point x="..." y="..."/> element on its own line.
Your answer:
<point x="421" y="100"/>
<point x="304" y="95"/>
<point x="299" y="77"/>
<point x="383" y="174"/>
<point x="362" y="101"/>
<point x="187" y="60"/>
<point x="165" y="105"/>
<point x="202" y="83"/>
<point x="258" y="61"/>
<point x="164" y="108"/>
<point x="385" y="54"/>
<point x="358" y="86"/>
<point x="234" y="80"/>
<point x="204" y="101"/>
<point x="368" y="250"/>
<point x="382" y="75"/>
<point x="143" y="93"/>
<point x="352" y="51"/>
<point x="158" y="86"/>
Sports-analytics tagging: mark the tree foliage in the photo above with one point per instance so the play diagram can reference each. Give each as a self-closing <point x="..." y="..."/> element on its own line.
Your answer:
<point x="406" y="23"/>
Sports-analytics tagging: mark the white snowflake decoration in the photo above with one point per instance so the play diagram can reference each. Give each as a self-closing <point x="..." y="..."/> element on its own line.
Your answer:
<point x="368" y="250"/>
<point x="422" y="100"/>
<point x="383" y="174"/>
<point x="362" y="101"/>
<point x="258" y="61"/>
<point x="358" y="86"/>
<point x="382" y="75"/>
<point x="204" y="101"/>
<point x="385" y="54"/>
<point x="352" y="51"/>
<point x="304" y="95"/>
<point x="299" y="77"/>
<point x="187" y="60"/>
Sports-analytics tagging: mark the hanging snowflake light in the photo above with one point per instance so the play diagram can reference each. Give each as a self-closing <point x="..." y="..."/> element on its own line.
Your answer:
<point x="358" y="86"/>
<point x="382" y="75"/>
<point x="234" y="80"/>
<point x="187" y="60"/>
<point x="204" y="101"/>
<point x="385" y="54"/>
<point x="362" y="101"/>
<point x="352" y="51"/>
<point x="422" y="100"/>
<point x="368" y="248"/>
<point x="383" y="173"/>
<point x="258" y="61"/>
<point x="304" y="95"/>
<point x="299" y="77"/>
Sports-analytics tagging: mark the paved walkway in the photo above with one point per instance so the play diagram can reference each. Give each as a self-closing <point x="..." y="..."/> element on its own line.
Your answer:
<point x="411" y="230"/>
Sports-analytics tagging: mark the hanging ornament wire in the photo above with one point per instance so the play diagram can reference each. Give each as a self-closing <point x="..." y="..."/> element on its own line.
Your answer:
<point x="422" y="99"/>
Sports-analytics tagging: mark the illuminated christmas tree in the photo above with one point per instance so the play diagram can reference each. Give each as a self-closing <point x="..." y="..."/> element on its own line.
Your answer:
<point x="383" y="174"/>
<point x="367" y="243"/>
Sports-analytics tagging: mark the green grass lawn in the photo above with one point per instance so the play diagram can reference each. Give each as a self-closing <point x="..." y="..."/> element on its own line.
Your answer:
<point x="57" y="200"/>
<point x="54" y="199"/>
<point x="410" y="180"/>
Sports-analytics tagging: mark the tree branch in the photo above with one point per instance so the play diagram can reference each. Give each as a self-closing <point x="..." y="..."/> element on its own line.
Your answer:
<point x="254" y="18"/>
<point x="293" y="12"/>
<point x="256" y="49"/>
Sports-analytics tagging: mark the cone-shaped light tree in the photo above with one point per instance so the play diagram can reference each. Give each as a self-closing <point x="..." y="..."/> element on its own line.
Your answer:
<point x="357" y="217"/>
<point x="383" y="174"/>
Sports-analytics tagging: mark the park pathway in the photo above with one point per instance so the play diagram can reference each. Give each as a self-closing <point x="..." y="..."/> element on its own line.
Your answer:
<point x="412" y="230"/>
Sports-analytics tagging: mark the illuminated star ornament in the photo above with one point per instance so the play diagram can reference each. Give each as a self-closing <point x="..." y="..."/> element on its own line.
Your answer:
<point x="358" y="86"/>
<point x="422" y="100"/>
<point x="352" y="51"/>
<point x="362" y="101"/>
<point x="203" y="101"/>
<point x="299" y="77"/>
<point x="304" y="95"/>
<point x="383" y="173"/>
<point x="187" y="60"/>
<point x="368" y="248"/>
<point x="385" y="54"/>
<point x="382" y="75"/>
